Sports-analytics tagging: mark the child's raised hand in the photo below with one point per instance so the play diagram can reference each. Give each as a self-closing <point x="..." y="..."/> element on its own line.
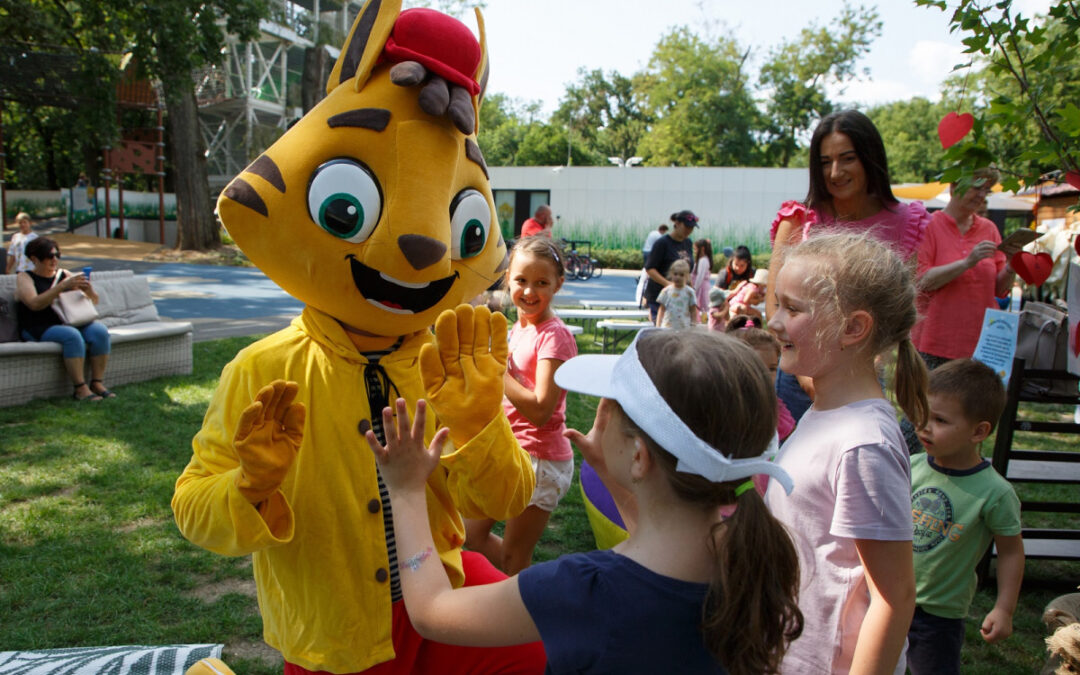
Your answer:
<point x="405" y="462"/>
<point x="996" y="626"/>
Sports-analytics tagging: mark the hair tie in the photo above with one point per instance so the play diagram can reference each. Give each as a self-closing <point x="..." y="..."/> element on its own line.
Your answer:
<point x="748" y="485"/>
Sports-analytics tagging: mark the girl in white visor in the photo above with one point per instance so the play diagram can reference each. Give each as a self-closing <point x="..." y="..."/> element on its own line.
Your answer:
<point x="707" y="581"/>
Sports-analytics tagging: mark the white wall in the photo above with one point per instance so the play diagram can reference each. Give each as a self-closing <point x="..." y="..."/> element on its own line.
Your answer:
<point x="619" y="206"/>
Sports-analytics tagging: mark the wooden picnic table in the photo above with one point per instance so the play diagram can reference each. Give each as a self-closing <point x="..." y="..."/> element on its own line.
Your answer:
<point x="610" y="304"/>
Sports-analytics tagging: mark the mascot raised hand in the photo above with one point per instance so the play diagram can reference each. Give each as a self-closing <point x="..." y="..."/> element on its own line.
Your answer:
<point x="374" y="210"/>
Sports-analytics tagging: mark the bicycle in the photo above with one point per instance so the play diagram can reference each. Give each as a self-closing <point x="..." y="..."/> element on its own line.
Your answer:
<point x="578" y="265"/>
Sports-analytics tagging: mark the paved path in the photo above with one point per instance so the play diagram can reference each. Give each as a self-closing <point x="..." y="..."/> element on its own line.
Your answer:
<point x="230" y="301"/>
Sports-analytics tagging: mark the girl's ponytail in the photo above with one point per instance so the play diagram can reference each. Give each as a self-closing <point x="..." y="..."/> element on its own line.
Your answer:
<point x="910" y="383"/>
<point x="751" y="612"/>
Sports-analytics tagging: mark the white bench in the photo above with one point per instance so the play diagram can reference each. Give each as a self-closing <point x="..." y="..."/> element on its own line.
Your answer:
<point x="614" y="333"/>
<point x="143" y="346"/>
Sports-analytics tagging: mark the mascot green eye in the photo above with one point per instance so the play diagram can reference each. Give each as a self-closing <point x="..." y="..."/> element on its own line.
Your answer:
<point x="345" y="200"/>
<point x="470" y="224"/>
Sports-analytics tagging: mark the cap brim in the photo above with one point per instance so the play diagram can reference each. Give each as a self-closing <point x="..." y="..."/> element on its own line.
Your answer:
<point x="589" y="374"/>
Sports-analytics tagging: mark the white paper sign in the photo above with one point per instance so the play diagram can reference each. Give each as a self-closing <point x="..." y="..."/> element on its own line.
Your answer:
<point x="1074" y="318"/>
<point x="997" y="342"/>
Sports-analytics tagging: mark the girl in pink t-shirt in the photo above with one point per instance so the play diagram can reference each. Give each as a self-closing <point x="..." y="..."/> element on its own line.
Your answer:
<point x="534" y="404"/>
<point x="842" y="299"/>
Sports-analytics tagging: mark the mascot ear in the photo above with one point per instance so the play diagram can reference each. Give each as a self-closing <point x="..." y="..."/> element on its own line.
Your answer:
<point x="364" y="44"/>
<point x="482" y="70"/>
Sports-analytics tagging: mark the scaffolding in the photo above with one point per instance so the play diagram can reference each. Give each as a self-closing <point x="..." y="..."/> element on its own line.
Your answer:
<point x="251" y="99"/>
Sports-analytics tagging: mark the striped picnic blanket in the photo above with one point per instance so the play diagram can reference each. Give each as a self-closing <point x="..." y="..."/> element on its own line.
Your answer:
<point x="123" y="660"/>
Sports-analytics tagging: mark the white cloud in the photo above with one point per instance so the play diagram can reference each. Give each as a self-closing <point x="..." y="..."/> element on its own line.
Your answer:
<point x="931" y="61"/>
<point x="874" y="92"/>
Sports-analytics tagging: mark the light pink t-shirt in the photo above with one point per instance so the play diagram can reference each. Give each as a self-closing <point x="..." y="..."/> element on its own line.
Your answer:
<point x="528" y="345"/>
<point x="852" y="481"/>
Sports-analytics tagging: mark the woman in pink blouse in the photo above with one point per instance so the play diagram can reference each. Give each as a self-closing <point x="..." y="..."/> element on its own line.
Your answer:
<point x="849" y="190"/>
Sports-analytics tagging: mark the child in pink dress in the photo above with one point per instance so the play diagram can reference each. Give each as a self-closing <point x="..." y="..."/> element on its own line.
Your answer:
<point x="536" y="407"/>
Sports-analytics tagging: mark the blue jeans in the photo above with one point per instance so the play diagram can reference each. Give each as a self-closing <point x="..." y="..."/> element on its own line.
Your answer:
<point x="934" y="644"/>
<point x="76" y="340"/>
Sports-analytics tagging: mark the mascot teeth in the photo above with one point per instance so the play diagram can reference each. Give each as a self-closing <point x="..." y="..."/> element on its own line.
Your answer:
<point x="399" y="282"/>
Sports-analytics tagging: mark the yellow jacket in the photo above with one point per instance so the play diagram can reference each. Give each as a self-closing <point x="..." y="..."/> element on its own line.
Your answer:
<point x="319" y="544"/>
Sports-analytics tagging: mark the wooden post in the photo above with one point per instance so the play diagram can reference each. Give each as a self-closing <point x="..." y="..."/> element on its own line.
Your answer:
<point x="106" y="176"/>
<point x="161" y="176"/>
<point x="3" y="182"/>
<point x="120" y="201"/>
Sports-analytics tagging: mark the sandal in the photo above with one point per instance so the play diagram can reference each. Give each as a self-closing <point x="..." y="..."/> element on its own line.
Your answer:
<point x="89" y="397"/>
<point x="104" y="393"/>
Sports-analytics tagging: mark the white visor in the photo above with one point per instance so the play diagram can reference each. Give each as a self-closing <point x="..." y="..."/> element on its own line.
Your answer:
<point x="623" y="379"/>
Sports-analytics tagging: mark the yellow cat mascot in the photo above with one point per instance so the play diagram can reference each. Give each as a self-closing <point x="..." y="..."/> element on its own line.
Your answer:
<point x="375" y="210"/>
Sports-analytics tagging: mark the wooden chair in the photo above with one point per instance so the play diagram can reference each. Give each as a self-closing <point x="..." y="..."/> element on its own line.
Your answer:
<point x="1045" y="467"/>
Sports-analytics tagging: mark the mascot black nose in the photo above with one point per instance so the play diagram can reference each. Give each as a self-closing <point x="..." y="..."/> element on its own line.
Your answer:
<point x="421" y="251"/>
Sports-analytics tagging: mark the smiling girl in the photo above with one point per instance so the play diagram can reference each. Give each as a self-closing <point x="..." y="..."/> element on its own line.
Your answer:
<point x="536" y="407"/>
<point x="842" y="300"/>
<point x="849" y="191"/>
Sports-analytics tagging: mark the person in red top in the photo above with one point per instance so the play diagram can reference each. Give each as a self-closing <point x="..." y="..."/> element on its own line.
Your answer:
<point x="540" y="223"/>
<point x="961" y="271"/>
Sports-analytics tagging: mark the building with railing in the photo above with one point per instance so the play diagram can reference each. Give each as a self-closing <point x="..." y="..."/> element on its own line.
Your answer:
<point x="264" y="85"/>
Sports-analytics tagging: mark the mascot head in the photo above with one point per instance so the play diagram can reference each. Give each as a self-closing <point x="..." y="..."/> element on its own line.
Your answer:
<point x="375" y="208"/>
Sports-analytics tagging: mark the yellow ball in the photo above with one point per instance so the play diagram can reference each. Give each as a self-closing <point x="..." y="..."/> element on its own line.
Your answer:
<point x="209" y="666"/>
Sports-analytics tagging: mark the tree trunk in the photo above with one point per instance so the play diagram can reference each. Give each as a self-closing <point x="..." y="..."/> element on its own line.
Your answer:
<point x="197" y="226"/>
<point x="313" y="77"/>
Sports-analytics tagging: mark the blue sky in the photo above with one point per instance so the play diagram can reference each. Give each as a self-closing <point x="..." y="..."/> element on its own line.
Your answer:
<point x="537" y="46"/>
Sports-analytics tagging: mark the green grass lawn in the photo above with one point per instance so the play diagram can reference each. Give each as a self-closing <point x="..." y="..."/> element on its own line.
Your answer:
<point x="90" y="555"/>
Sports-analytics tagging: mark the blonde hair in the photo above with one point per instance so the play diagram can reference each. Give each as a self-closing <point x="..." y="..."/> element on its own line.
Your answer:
<point x="22" y="215"/>
<point x="850" y="272"/>
<point x="679" y="264"/>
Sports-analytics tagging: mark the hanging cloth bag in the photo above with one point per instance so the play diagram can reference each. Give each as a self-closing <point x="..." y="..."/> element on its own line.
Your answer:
<point x="73" y="307"/>
<point x="1043" y="343"/>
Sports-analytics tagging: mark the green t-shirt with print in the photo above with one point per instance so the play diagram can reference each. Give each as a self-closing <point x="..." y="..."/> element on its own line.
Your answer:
<point x="955" y="516"/>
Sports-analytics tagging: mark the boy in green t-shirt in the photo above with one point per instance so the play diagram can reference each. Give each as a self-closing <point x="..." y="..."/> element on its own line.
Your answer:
<point x="958" y="503"/>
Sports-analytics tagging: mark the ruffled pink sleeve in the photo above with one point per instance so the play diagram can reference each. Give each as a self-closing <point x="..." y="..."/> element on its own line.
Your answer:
<point x="795" y="212"/>
<point x="916" y="218"/>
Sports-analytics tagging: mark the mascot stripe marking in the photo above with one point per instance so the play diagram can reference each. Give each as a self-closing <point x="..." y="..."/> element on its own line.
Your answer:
<point x="472" y="151"/>
<point x="242" y="193"/>
<point x="364" y="24"/>
<point x="362" y="118"/>
<point x="265" y="168"/>
<point x="421" y="251"/>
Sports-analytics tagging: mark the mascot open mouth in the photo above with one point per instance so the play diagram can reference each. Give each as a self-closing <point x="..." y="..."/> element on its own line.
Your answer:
<point x="398" y="297"/>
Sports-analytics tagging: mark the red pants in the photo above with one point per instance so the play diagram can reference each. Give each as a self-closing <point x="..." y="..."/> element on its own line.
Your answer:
<point x="417" y="655"/>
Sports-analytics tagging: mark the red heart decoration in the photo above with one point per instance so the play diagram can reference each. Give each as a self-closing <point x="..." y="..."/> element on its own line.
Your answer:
<point x="1033" y="269"/>
<point x="1073" y="179"/>
<point x="953" y="127"/>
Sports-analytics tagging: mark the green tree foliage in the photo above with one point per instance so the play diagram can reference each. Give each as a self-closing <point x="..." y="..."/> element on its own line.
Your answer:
<point x="909" y="129"/>
<point x="56" y="88"/>
<point x="502" y="127"/>
<point x="1030" y="80"/>
<point x="605" y="113"/>
<point x="797" y="71"/>
<point x="696" y="91"/>
<point x="171" y="40"/>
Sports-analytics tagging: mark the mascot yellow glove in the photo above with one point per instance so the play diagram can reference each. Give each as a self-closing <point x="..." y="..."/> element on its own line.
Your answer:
<point x="267" y="439"/>
<point x="463" y="370"/>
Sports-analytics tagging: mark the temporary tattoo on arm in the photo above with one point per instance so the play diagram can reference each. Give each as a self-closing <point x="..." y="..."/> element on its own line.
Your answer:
<point x="414" y="562"/>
